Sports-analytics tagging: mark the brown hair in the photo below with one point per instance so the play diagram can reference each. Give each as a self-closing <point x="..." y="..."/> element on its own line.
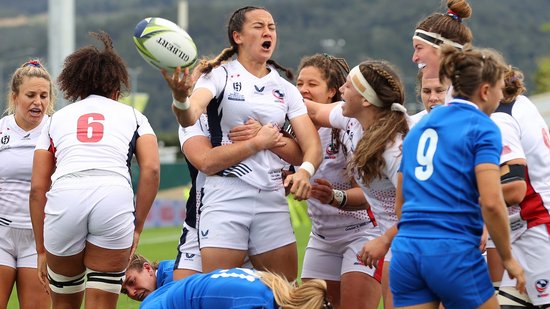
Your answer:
<point x="235" y="24"/>
<point x="310" y="294"/>
<point x="368" y="160"/>
<point x="450" y="25"/>
<point x="91" y="71"/>
<point x="31" y="68"/>
<point x="334" y="71"/>
<point x="467" y="69"/>
<point x="513" y="85"/>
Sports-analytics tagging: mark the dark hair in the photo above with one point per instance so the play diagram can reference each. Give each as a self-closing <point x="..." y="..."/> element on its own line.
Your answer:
<point x="467" y="69"/>
<point x="368" y="160"/>
<point x="449" y="25"/>
<point x="513" y="85"/>
<point x="236" y="22"/>
<point x="90" y="71"/>
<point x="334" y="71"/>
<point x="31" y="68"/>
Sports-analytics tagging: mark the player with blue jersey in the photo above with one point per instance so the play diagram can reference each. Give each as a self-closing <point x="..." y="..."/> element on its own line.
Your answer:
<point x="224" y="288"/>
<point x="450" y="167"/>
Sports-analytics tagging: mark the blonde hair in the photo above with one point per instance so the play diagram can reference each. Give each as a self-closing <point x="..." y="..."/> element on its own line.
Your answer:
<point x="31" y="68"/>
<point x="137" y="261"/>
<point x="310" y="295"/>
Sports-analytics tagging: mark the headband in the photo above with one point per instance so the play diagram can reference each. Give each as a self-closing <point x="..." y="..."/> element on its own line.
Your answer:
<point x="363" y="87"/>
<point x="434" y="39"/>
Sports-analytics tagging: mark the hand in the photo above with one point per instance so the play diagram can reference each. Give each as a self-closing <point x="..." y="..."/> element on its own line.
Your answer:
<point x="515" y="271"/>
<point x="374" y="250"/>
<point x="134" y="243"/>
<point x="299" y="184"/>
<point x="484" y="237"/>
<point x="43" y="271"/>
<point x="269" y="137"/>
<point x="322" y="191"/>
<point x="179" y="84"/>
<point x="246" y="131"/>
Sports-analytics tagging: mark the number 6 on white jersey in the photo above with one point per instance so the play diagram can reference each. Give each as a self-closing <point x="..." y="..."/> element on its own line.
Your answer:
<point x="425" y="154"/>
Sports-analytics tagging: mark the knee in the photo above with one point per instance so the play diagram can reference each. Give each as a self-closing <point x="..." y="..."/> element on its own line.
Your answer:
<point x="105" y="281"/>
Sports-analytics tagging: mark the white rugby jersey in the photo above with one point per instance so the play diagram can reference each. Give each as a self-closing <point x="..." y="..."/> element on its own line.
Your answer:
<point x="525" y="135"/>
<point x="16" y="155"/>
<point x="333" y="168"/>
<point x="268" y="100"/>
<point x="96" y="133"/>
<point x="200" y="128"/>
<point x="380" y="193"/>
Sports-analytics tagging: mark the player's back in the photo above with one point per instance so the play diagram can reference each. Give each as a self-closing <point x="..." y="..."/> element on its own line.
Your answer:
<point x="440" y="154"/>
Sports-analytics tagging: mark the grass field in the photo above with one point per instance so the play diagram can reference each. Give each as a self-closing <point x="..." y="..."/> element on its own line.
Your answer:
<point x="160" y="244"/>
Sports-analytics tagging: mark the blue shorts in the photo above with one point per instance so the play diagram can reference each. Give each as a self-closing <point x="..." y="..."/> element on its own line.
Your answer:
<point x="450" y="270"/>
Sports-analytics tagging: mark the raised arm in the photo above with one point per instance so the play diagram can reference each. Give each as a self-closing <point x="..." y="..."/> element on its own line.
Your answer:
<point x="319" y="113"/>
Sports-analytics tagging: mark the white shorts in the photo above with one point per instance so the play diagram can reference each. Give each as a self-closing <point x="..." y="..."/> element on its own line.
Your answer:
<point x="17" y="247"/>
<point x="189" y="255"/>
<point x="517" y="227"/>
<point x="236" y="215"/>
<point x="98" y="209"/>
<point x="328" y="258"/>
<point x="532" y="250"/>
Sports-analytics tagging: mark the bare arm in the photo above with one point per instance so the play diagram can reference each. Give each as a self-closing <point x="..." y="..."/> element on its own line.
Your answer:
<point x="495" y="216"/>
<point x="210" y="160"/>
<point x="309" y="142"/>
<point x="42" y="170"/>
<point x="181" y="86"/>
<point x="322" y="191"/>
<point x="513" y="191"/>
<point x="319" y="113"/>
<point x="149" y="178"/>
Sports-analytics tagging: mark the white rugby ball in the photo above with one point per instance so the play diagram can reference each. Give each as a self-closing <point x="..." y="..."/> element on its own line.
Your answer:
<point x="164" y="44"/>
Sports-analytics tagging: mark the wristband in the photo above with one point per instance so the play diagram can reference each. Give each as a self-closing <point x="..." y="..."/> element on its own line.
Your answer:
<point x="308" y="167"/>
<point x="181" y="105"/>
<point x="340" y="197"/>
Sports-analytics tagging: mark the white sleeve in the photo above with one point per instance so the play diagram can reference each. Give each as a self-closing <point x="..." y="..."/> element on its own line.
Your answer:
<point x="213" y="81"/>
<point x="336" y="119"/>
<point x="511" y="132"/>
<point x="392" y="156"/>
<point x="296" y="106"/>
<point x="198" y="129"/>
<point x="144" y="127"/>
<point x="43" y="141"/>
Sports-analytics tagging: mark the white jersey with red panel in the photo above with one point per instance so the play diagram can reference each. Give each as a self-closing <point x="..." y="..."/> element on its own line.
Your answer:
<point x="333" y="168"/>
<point x="525" y="135"/>
<point x="269" y="99"/>
<point x="380" y="193"/>
<point x="16" y="153"/>
<point x="96" y="133"/>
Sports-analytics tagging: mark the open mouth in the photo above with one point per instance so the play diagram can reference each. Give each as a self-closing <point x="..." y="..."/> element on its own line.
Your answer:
<point x="266" y="44"/>
<point x="35" y="111"/>
<point x="421" y="66"/>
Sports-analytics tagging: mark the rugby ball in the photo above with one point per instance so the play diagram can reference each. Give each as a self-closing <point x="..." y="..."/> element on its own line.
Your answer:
<point x="164" y="44"/>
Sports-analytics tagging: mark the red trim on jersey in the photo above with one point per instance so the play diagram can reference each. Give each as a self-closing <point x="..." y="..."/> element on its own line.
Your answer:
<point x="532" y="206"/>
<point x="371" y="216"/>
<point x="52" y="147"/>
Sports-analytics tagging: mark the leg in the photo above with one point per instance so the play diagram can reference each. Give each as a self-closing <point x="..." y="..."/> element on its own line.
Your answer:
<point x="184" y="273"/>
<point x="67" y="269"/>
<point x="30" y="292"/>
<point x="491" y="303"/>
<point x="283" y="260"/>
<point x="386" y="293"/>
<point x="98" y="293"/>
<point x="216" y="258"/>
<point x="7" y="279"/>
<point x="359" y="290"/>
<point x="495" y="267"/>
